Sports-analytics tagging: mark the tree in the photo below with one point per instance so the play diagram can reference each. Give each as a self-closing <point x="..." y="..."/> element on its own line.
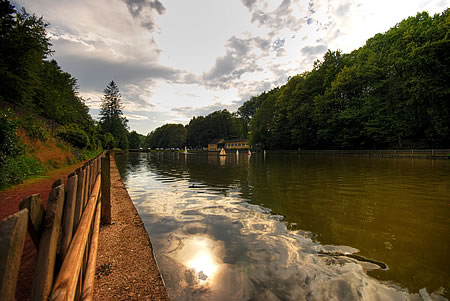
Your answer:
<point x="135" y="140"/>
<point x="28" y="78"/>
<point x="112" y="119"/>
<point x="168" y="135"/>
<point x="57" y="98"/>
<point x="392" y="92"/>
<point x="218" y="124"/>
<point x="23" y="46"/>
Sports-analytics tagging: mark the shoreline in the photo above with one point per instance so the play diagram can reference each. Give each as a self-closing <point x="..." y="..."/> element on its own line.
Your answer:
<point x="126" y="267"/>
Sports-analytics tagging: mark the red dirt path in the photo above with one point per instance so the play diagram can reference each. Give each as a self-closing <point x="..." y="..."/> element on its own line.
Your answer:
<point x="9" y="204"/>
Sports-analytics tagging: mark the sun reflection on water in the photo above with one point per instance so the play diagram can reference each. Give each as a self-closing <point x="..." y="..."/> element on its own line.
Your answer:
<point x="204" y="266"/>
<point x="200" y="255"/>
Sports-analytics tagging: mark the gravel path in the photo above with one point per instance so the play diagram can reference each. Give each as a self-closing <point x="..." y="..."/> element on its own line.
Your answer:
<point x="126" y="268"/>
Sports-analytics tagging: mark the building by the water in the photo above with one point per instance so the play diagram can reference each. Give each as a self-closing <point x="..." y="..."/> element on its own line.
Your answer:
<point x="217" y="144"/>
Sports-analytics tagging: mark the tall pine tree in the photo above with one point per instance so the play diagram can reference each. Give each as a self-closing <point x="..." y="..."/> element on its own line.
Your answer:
<point x="112" y="119"/>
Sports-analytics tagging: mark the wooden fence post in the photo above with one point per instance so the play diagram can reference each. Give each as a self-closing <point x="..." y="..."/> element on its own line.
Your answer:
<point x="87" y="191"/>
<point x="12" y="237"/>
<point x="45" y="263"/>
<point x="105" y="190"/>
<point x="80" y="199"/>
<point x="36" y="214"/>
<point x="69" y="212"/>
<point x="91" y="176"/>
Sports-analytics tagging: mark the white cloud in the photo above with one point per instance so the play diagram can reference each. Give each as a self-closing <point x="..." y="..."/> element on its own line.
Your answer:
<point x="135" y="117"/>
<point x="174" y="59"/>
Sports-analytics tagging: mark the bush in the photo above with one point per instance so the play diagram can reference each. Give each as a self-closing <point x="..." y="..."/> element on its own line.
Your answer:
<point x="15" y="170"/>
<point x="86" y="154"/>
<point x="96" y="143"/>
<point x="74" y="135"/>
<point x="108" y="141"/>
<point x="15" y="166"/>
<point x="10" y="144"/>
<point x="36" y="128"/>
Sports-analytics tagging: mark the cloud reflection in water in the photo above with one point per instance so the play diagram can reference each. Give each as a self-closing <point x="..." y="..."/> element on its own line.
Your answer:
<point x="213" y="245"/>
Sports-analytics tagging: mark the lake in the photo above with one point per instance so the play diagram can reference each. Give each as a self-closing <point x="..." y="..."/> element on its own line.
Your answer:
<point x="294" y="227"/>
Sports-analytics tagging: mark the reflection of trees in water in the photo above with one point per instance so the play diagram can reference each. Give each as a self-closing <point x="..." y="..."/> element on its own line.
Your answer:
<point x="128" y="163"/>
<point x="208" y="169"/>
<point x="372" y="204"/>
<point x="366" y="203"/>
<point x="121" y="163"/>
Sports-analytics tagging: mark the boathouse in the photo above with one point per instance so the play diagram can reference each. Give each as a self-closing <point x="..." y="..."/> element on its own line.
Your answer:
<point x="236" y="144"/>
<point x="215" y="145"/>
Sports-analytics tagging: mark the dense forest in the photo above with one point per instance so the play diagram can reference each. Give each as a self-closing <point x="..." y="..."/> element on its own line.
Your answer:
<point x="392" y="92"/>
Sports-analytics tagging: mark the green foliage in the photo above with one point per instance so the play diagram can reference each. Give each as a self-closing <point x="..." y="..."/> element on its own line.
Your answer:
<point x="112" y="119"/>
<point x="135" y="140"/>
<point x="390" y="91"/>
<point x="218" y="124"/>
<point x="86" y="154"/>
<point x="24" y="44"/>
<point x="107" y="140"/>
<point x="27" y="78"/>
<point x="75" y="136"/>
<point x="14" y="164"/>
<point x="10" y="144"/>
<point x="168" y="135"/>
<point x="36" y="128"/>
<point x="15" y="169"/>
<point x="262" y="124"/>
<point x="57" y="98"/>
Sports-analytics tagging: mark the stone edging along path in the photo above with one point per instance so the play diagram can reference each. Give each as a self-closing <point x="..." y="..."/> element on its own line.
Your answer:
<point x="126" y="268"/>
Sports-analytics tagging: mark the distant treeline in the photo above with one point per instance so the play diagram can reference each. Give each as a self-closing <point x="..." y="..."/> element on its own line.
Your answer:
<point x="392" y="92"/>
<point x="199" y="131"/>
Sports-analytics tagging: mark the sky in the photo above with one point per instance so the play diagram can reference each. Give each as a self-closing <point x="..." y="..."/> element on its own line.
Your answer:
<point x="175" y="59"/>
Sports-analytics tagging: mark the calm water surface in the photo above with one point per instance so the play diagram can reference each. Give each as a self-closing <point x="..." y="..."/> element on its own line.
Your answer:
<point x="286" y="227"/>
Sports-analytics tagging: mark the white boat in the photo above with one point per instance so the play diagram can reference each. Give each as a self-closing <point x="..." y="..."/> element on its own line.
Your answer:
<point x="222" y="152"/>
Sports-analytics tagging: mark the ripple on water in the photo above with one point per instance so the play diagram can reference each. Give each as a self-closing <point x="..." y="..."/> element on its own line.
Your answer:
<point x="216" y="246"/>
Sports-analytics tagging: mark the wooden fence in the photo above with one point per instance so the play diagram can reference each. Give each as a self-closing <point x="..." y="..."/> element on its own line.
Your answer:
<point x="65" y="235"/>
